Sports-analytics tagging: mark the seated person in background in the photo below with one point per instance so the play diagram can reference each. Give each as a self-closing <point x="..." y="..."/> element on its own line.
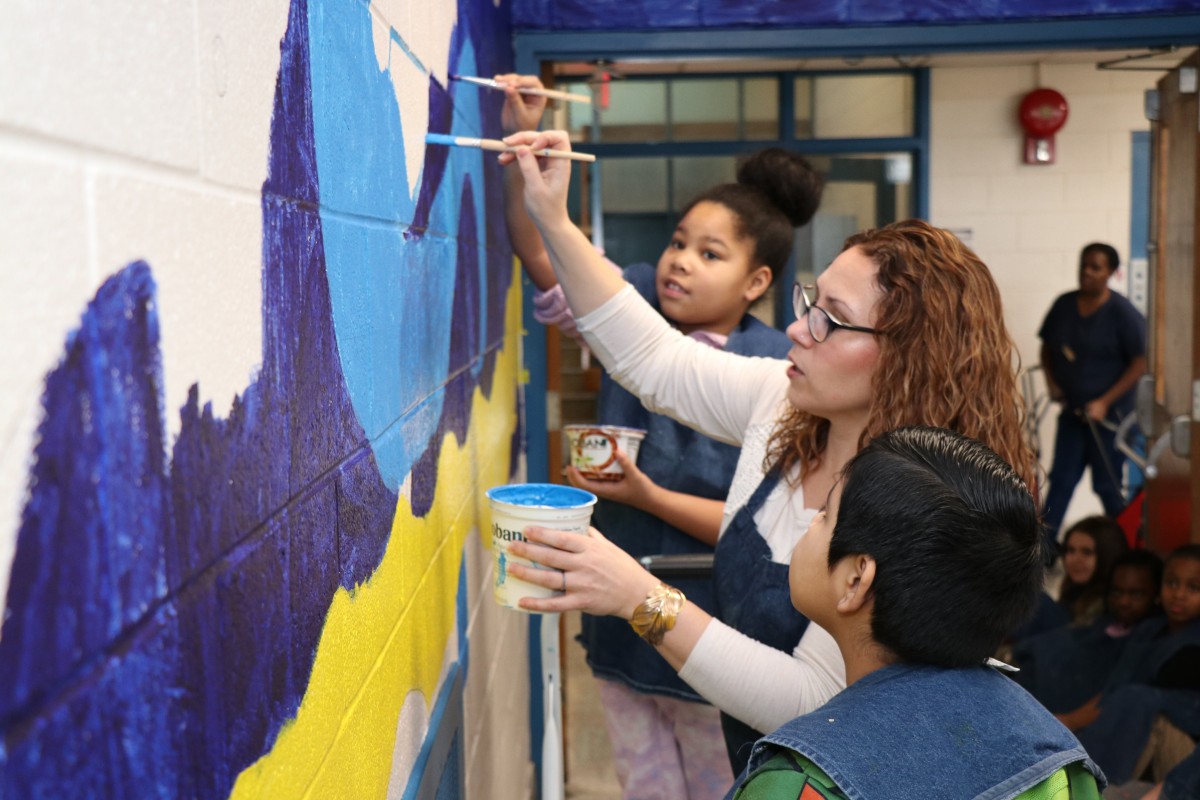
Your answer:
<point x="1089" y="549"/>
<point x="1064" y="668"/>
<point x="1149" y="714"/>
<point x="1182" y="782"/>
<point x="928" y="551"/>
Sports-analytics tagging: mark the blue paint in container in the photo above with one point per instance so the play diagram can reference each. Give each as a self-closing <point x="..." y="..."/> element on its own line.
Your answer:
<point x="541" y="495"/>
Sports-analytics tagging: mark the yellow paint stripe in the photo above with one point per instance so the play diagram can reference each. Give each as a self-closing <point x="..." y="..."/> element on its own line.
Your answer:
<point x="388" y="636"/>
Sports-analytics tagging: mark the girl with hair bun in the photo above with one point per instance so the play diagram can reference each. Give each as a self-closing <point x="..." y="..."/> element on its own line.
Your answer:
<point x="728" y="246"/>
<point x="904" y="327"/>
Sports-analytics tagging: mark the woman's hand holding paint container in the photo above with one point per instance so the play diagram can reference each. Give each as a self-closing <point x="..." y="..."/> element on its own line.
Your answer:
<point x="521" y="112"/>
<point x="546" y="179"/>
<point x="514" y="508"/>
<point x="601" y="578"/>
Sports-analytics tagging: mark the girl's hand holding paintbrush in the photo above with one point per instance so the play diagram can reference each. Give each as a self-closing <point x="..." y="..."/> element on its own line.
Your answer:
<point x="522" y="112"/>
<point x="546" y="179"/>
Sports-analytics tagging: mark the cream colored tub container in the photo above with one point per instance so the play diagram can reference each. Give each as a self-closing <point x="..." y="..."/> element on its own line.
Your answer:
<point x="594" y="449"/>
<point x="515" y="507"/>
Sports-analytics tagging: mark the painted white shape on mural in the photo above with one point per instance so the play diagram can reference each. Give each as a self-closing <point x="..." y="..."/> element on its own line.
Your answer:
<point x="410" y="58"/>
<point x="412" y="727"/>
<point x="414" y="113"/>
<point x="149" y="142"/>
<point x="424" y="28"/>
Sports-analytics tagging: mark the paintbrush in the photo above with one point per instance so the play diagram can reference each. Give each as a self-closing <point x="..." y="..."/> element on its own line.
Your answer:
<point x="500" y="147"/>
<point x="494" y="84"/>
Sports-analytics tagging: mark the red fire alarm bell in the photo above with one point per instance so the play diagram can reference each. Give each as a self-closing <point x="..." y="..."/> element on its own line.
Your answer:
<point x="1043" y="113"/>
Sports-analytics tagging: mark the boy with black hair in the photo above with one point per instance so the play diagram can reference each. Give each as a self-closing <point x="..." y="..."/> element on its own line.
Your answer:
<point x="927" y="553"/>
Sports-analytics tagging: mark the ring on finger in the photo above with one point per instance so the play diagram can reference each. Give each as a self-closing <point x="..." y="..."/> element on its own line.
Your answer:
<point x="564" y="582"/>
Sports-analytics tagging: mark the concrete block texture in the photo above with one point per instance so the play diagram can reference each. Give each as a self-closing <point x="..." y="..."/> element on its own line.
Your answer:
<point x="1029" y="222"/>
<point x="119" y="77"/>
<point x="205" y="247"/>
<point x="237" y="58"/>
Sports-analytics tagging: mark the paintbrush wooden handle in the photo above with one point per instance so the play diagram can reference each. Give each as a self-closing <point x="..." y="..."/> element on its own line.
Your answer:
<point x="555" y="94"/>
<point x="500" y="147"/>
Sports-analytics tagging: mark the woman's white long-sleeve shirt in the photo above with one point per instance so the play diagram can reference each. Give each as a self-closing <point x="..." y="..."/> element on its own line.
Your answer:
<point x="735" y="399"/>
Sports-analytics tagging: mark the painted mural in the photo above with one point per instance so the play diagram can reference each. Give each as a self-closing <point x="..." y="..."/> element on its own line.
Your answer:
<point x="244" y="609"/>
<point x="658" y="14"/>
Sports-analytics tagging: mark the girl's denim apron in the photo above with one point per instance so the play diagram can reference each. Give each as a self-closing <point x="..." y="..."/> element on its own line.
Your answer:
<point x="754" y="598"/>
<point x="938" y="734"/>
<point x="677" y="458"/>
<point x="1135" y="696"/>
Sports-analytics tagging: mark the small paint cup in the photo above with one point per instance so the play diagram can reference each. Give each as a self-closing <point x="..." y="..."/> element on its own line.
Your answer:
<point x="515" y="507"/>
<point x="594" y="449"/>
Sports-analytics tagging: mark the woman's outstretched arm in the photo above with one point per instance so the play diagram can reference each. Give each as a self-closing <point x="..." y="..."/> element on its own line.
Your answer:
<point x="745" y="678"/>
<point x="587" y="281"/>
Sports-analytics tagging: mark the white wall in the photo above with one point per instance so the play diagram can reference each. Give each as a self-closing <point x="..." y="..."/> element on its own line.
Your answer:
<point x="1028" y="223"/>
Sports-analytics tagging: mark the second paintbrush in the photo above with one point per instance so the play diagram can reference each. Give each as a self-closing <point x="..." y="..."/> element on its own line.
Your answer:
<point x="500" y="147"/>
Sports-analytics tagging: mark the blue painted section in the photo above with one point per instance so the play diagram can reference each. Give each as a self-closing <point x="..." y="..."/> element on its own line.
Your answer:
<point x="441" y="750"/>
<point x="537" y="704"/>
<point x="163" y="612"/>
<point x="1139" y="203"/>
<point x="921" y="130"/>
<point x="693" y="14"/>
<point x="534" y="397"/>
<point x="450" y="787"/>
<point x="393" y="300"/>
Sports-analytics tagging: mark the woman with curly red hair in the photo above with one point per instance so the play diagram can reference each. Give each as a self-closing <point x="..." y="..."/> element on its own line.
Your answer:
<point x="904" y="327"/>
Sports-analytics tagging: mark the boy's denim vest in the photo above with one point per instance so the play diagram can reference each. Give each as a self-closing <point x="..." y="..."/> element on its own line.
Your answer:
<point x="679" y="459"/>
<point x="909" y="731"/>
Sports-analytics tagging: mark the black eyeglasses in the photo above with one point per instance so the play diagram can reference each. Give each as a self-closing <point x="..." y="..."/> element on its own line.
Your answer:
<point x="820" y="322"/>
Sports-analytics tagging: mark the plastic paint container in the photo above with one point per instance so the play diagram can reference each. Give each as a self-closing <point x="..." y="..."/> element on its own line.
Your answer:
<point x="515" y="507"/>
<point x="594" y="449"/>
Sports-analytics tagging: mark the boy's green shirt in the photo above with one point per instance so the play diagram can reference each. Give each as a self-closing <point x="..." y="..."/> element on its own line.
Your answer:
<point x="790" y="776"/>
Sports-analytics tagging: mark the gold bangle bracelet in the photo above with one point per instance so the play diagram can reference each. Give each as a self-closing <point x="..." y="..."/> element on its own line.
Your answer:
<point x="656" y="615"/>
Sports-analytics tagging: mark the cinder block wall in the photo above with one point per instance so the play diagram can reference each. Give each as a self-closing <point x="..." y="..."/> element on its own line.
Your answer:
<point x="259" y="363"/>
<point x="1028" y="223"/>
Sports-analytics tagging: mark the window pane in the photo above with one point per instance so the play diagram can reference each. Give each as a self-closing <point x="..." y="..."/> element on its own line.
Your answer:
<point x="633" y="185"/>
<point x="637" y="112"/>
<point x="863" y="105"/>
<point x="802" y="87"/>
<point x="760" y="108"/>
<point x="575" y="118"/>
<point x="704" y="109"/>
<point x="691" y="176"/>
<point x="861" y="191"/>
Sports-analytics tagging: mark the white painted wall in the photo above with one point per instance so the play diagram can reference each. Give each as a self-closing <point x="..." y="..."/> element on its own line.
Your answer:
<point x="134" y="131"/>
<point x="1028" y="223"/>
